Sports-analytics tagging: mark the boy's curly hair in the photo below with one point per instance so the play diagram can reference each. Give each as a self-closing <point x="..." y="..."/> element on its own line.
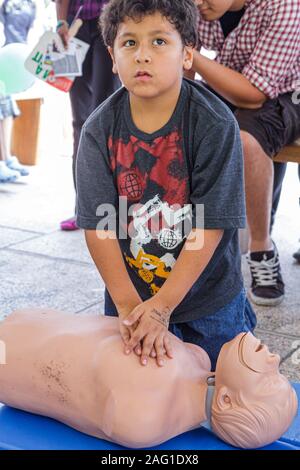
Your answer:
<point x="183" y="14"/>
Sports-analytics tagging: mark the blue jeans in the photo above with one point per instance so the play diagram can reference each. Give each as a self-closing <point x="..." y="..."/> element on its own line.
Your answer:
<point x="212" y="331"/>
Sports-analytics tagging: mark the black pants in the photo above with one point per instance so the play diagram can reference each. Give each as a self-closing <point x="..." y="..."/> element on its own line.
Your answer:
<point x="95" y="85"/>
<point x="274" y="125"/>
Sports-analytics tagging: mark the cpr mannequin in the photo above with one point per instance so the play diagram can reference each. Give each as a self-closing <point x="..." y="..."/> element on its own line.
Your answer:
<point x="73" y="368"/>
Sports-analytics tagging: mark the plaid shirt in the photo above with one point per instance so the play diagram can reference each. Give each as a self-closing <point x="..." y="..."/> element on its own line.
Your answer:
<point x="264" y="47"/>
<point x="91" y="8"/>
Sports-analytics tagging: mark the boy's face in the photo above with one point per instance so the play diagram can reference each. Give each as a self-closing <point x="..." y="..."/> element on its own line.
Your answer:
<point x="149" y="56"/>
<point x="213" y="9"/>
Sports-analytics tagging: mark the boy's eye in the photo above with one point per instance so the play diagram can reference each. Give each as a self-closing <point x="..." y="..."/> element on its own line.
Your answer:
<point x="129" y="43"/>
<point x="159" y="42"/>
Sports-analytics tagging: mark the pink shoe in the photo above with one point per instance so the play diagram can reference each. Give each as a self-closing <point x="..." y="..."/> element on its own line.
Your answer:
<point x="69" y="224"/>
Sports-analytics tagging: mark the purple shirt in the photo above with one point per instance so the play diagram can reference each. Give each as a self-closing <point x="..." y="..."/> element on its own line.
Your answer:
<point x="91" y="8"/>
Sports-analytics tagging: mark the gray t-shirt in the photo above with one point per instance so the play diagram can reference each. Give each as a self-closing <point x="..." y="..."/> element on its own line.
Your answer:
<point x="196" y="158"/>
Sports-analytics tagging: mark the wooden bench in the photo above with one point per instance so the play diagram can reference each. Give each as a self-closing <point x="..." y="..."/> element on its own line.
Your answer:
<point x="290" y="153"/>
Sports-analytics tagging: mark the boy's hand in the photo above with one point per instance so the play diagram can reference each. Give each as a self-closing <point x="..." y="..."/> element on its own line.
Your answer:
<point x="150" y="321"/>
<point x="127" y="332"/>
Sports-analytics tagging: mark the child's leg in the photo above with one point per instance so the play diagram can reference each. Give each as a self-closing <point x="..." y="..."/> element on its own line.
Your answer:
<point x="6" y="174"/>
<point x="11" y="161"/>
<point x="7" y="127"/>
<point x="2" y="147"/>
<point x="9" y="110"/>
<point x="212" y="331"/>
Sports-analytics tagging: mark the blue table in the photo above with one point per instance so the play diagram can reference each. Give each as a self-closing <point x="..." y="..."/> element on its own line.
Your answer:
<point x="26" y="431"/>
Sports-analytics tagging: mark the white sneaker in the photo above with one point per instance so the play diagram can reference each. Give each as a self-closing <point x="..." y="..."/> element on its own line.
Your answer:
<point x="6" y="174"/>
<point x="14" y="164"/>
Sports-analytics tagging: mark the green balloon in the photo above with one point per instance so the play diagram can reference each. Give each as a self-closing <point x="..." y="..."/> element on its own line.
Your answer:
<point x="13" y="74"/>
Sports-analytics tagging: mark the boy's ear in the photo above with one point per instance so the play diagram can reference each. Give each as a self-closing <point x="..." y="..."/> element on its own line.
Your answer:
<point x="188" y="57"/>
<point x="111" y="53"/>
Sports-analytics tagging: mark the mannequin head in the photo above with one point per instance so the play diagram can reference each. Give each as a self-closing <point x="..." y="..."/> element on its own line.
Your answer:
<point x="253" y="404"/>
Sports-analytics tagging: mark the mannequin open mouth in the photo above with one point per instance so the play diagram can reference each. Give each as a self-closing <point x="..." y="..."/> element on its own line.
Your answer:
<point x="259" y="348"/>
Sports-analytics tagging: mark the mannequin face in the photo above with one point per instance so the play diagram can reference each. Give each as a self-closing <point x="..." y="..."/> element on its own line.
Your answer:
<point x="253" y="404"/>
<point x="245" y="364"/>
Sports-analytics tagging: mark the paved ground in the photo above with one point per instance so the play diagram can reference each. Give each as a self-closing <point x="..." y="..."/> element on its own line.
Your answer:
<point x="40" y="266"/>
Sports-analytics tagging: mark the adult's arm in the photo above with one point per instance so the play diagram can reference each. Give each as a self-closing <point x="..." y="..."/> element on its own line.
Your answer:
<point x="232" y="85"/>
<point x="62" y="7"/>
<point x="275" y="53"/>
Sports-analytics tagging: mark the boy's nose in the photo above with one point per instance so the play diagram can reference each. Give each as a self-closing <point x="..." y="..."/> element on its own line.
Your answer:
<point x="140" y="59"/>
<point x="143" y="56"/>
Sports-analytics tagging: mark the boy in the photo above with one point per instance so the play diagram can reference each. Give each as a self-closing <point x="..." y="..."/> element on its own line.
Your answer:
<point x="257" y="71"/>
<point x="161" y="143"/>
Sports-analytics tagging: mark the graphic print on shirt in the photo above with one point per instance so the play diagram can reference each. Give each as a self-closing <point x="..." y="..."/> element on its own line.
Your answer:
<point x="153" y="178"/>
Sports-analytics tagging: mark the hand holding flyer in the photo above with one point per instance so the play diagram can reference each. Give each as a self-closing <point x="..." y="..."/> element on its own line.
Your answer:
<point x="52" y="63"/>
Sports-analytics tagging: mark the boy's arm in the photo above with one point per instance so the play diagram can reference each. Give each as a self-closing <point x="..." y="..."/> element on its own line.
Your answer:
<point x="108" y="259"/>
<point x="96" y="190"/>
<point x="106" y="253"/>
<point x="189" y="266"/>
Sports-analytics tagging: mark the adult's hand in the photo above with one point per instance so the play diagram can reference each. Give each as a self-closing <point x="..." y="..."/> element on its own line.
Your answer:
<point x="63" y="32"/>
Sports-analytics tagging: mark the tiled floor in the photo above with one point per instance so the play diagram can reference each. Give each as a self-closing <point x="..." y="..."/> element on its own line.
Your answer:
<point x="42" y="266"/>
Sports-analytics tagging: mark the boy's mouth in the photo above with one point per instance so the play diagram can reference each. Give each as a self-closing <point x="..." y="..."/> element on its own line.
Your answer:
<point x="143" y="74"/>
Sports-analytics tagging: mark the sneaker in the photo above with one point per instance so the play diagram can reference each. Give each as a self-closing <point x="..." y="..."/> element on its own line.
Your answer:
<point x="6" y="174"/>
<point x="69" y="224"/>
<point x="14" y="164"/>
<point x="267" y="285"/>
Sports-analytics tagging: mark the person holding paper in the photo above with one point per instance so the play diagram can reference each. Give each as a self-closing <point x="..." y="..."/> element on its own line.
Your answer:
<point x="97" y="81"/>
